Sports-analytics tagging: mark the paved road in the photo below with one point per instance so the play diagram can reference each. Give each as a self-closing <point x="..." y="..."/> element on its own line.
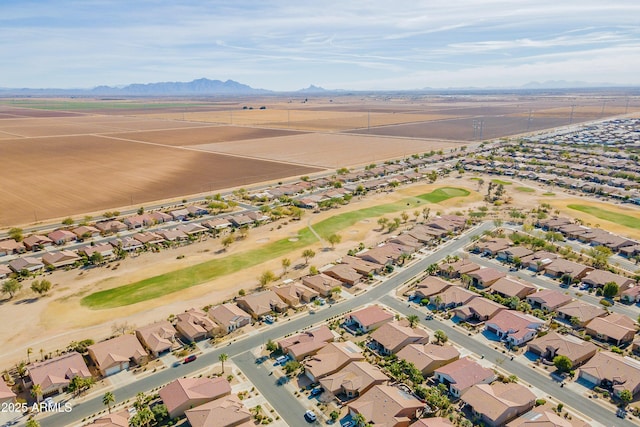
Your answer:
<point x="569" y="397"/>
<point x="281" y="328"/>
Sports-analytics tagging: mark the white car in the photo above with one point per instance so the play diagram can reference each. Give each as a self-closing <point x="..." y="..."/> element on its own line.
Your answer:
<point x="310" y="416"/>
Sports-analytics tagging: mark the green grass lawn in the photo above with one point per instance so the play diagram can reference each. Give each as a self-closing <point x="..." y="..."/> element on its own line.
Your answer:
<point x="618" y="218"/>
<point x="549" y="194"/>
<point x="174" y="281"/>
<point x="525" y="189"/>
<point x="499" y="181"/>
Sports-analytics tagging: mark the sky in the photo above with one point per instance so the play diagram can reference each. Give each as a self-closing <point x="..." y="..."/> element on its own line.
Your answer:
<point x="346" y="44"/>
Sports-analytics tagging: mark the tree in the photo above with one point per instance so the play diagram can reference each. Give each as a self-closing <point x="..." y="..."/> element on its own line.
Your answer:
<point x="143" y="418"/>
<point x="96" y="258"/>
<point x="69" y="221"/>
<point x="160" y="411"/>
<point x="382" y="222"/>
<point x="271" y="346"/>
<point x="440" y="336"/>
<point x="227" y="241"/>
<point x="626" y="396"/>
<point x="266" y="277"/>
<point x="16" y="234"/>
<point x="307" y="254"/>
<point x="313" y="270"/>
<point x="286" y="263"/>
<point x="335" y="291"/>
<point x="222" y="358"/>
<point x="108" y="399"/>
<point x="36" y="391"/>
<point x="32" y="422"/>
<point x="413" y="320"/>
<point x="334" y="239"/>
<point x="291" y="366"/>
<point x="610" y="289"/>
<point x="425" y="213"/>
<point x="405" y="217"/>
<point x="360" y="420"/>
<point x="10" y="287"/>
<point x="140" y="210"/>
<point x="41" y="287"/>
<point x="562" y="363"/>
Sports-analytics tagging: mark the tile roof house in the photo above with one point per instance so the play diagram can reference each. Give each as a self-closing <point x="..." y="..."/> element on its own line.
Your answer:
<point x="387" y="406"/>
<point x="611" y="371"/>
<point x="187" y="393"/>
<point x="5" y="271"/>
<point x="331" y="358"/>
<point x="85" y="231"/>
<point x="369" y="318"/>
<point x="514" y="327"/>
<point x="392" y="337"/>
<point x="492" y="246"/>
<point x="261" y="303"/>
<point x="54" y="375"/>
<point x="430" y="286"/>
<point x="217" y="223"/>
<point x="452" y="297"/>
<point x="148" y="238"/>
<point x="28" y="263"/>
<point x="321" y="283"/>
<point x="514" y="252"/>
<point x="455" y="269"/>
<point x="103" y="249"/>
<point x="599" y="278"/>
<point x="229" y="317"/>
<point x="548" y="299"/>
<point x="560" y="267"/>
<point x="60" y="237"/>
<point x="174" y="235"/>
<point x="429" y="357"/>
<point x="485" y="277"/>
<point x="460" y="375"/>
<point x="545" y="416"/>
<point x="361" y="266"/>
<point x="432" y="422"/>
<point x="499" y="403"/>
<point x="60" y="259"/>
<point x="554" y="344"/>
<point x="632" y="294"/>
<point x="344" y="273"/>
<point x="36" y="241"/>
<point x="354" y="379"/>
<point x="115" y="355"/>
<point x="158" y="337"/>
<point x="615" y="328"/>
<point x="10" y="246"/>
<point x="512" y="288"/>
<point x="388" y="253"/>
<point x="194" y="324"/>
<point x="113" y="226"/>
<point x="116" y="419"/>
<point x="579" y="313"/>
<point x="306" y="343"/>
<point x="295" y="293"/>
<point x="538" y="260"/>
<point x="227" y="411"/>
<point x="478" y="309"/>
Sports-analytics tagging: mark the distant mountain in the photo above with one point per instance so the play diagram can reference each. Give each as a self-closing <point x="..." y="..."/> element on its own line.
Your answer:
<point x="312" y="89"/>
<point x="196" y="87"/>
<point x="563" y="84"/>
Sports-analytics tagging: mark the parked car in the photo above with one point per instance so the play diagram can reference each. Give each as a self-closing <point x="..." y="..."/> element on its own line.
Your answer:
<point x="190" y="359"/>
<point x="316" y="391"/>
<point x="310" y="416"/>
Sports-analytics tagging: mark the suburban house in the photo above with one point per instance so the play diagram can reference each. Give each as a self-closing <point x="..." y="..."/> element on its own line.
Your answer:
<point x="261" y="303"/>
<point x="10" y="246"/>
<point x="485" y="277"/>
<point x="386" y="254"/>
<point x="179" y="214"/>
<point x="452" y="297"/>
<point x="139" y="221"/>
<point x="455" y="269"/>
<point x="148" y="238"/>
<point x="331" y="358"/>
<point x="599" y="278"/>
<point x="306" y="343"/>
<point x="515" y="252"/>
<point x="491" y="247"/>
<point x="186" y="393"/>
<point x="353" y="380"/>
<point x="321" y="283"/>
<point x="545" y="415"/>
<point x="561" y="267"/>
<point x="363" y="267"/>
<point x="548" y="299"/>
<point x="369" y="318"/>
<point x="538" y="260"/>
<point x="499" y="403"/>
<point x="174" y="235"/>
<point x="126" y="243"/>
<point x="579" y="313"/>
<point x="115" y="419"/>
<point x="158" y="337"/>
<point x="631" y="295"/>
<point x="115" y="355"/>
<point x="196" y="210"/>
<point x="28" y="263"/>
<point x="217" y="224"/>
<point x="229" y="317"/>
<point x="392" y="337"/>
<point x="5" y="271"/>
<point x="615" y="328"/>
<point x="104" y="249"/>
<point x="385" y="405"/>
<point x="60" y="259"/>
<point x="612" y="372"/>
<point x="194" y="324"/>
<point x="227" y="411"/>
<point x="430" y="286"/>
<point x="191" y="229"/>
<point x="36" y="242"/>
<point x="86" y="231"/>
<point x="113" y="226"/>
<point x="429" y="357"/>
<point x="344" y="273"/>
<point x="60" y="237"/>
<point x="460" y="375"/>
<point x="478" y="310"/>
<point x="509" y="288"/>
<point x="514" y="327"/>
<point x="54" y="375"/>
<point x="295" y="293"/>
<point x="554" y="344"/>
<point x="432" y="422"/>
<point x="240" y="220"/>
<point x="6" y="394"/>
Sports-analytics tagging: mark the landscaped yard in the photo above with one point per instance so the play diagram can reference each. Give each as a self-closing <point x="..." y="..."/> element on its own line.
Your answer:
<point x="525" y="189"/>
<point x="174" y="281"/>
<point x="618" y="218"/>
<point x="499" y="181"/>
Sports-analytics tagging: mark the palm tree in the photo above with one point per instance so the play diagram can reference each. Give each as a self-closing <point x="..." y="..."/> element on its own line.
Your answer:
<point x="108" y="399"/>
<point x="360" y="420"/>
<point x="222" y="358"/>
<point x="36" y="391"/>
<point x="32" y="422"/>
<point x="413" y="320"/>
<point x="29" y="351"/>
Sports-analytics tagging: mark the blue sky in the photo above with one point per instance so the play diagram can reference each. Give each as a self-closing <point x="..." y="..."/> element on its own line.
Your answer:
<point x="288" y="45"/>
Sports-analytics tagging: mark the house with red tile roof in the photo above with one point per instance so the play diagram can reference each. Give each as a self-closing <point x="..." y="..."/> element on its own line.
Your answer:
<point x="612" y="371"/>
<point x="112" y="226"/>
<point x="455" y="269"/>
<point x="599" y="278"/>
<point x="148" y="238"/>
<point x="492" y="246"/>
<point x="353" y="380"/>
<point x="194" y="324"/>
<point x="116" y="419"/>
<point x="432" y="422"/>
<point x="548" y="299"/>
<point x="478" y="310"/>
<point x="36" y="242"/>
<point x="539" y="260"/>
<point x="294" y="294"/>
<point x="561" y="267"/>
<point x="306" y="343"/>
<point x="545" y="416"/>
<point x="227" y="411"/>
<point x="614" y="328"/>
<point x="510" y="254"/>
<point x="369" y="318"/>
<point x="507" y="288"/>
<point x="186" y="393"/>
<point x="157" y="337"/>
<point x="261" y="303"/>
<point x="430" y="286"/>
<point x="429" y="357"/>
<point x="553" y="344"/>
<point x="331" y="358"/>
<point x="10" y="246"/>
<point x="514" y="327"/>
<point x="485" y="277"/>
<point x="344" y="273"/>
<point x="632" y="294"/>
<point x="387" y="406"/>
<point x="499" y="403"/>
<point x="86" y="231"/>
<point x="388" y="253"/>
<point x="5" y="271"/>
<point x="453" y="296"/>
<point x="321" y="283"/>
<point x="60" y="237"/>
<point x="54" y="375"/>
<point x="116" y="354"/>
<point x="229" y="317"/>
<point x="460" y="375"/>
<point x="392" y="337"/>
<point x="579" y="313"/>
<point x="361" y="266"/>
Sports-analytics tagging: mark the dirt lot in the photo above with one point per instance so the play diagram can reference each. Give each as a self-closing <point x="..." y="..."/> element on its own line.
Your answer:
<point x="329" y="150"/>
<point x="61" y="176"/>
